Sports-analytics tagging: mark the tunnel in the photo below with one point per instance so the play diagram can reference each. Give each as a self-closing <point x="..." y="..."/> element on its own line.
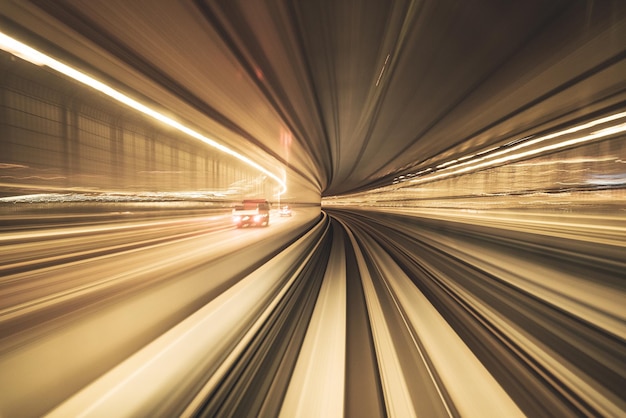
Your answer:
<point x="312" y="208"/>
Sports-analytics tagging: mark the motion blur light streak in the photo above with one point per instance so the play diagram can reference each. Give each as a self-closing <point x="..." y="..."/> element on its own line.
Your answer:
<point x="27" y="53"/>
<point x="474" y="164"/>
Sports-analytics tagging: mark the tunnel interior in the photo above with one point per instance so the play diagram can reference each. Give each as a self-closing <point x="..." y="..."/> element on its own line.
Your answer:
<point x="445" y="191"/>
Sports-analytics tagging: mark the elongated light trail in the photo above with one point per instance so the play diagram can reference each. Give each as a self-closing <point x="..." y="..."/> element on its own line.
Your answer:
<point x="510" y="154"/>
<point x="33" y="56"/>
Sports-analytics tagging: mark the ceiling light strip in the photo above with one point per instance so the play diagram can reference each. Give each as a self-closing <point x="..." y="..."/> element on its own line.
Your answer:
<point x="510" y="154"/>
<point x="33" y="56"/>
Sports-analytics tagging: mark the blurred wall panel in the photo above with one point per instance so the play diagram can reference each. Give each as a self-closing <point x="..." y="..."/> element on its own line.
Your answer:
<point x="593" y="174"/>
<point x="57" y="136"/>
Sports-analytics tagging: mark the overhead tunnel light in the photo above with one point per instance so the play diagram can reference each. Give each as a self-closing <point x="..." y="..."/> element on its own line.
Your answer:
<point x="36" y="57"/>
<point x="513" y="150"/>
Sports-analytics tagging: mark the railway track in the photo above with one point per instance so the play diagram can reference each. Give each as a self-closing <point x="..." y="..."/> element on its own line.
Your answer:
<point x="371" y="315"/>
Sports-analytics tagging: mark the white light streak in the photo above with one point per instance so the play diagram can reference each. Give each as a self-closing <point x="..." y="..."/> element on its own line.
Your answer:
<point x="511" y="153"/>
<point x="382" y="70"/>
<point x="33" y="56"/>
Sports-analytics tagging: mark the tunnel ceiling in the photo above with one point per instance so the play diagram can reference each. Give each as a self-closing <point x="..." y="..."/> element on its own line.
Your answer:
<point x="349" y="93"/>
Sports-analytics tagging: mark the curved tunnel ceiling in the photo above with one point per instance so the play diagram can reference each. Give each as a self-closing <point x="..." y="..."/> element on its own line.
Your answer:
<point x="350" y="93"/>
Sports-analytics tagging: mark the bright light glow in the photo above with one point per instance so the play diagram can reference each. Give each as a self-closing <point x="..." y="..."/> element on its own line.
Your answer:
<point x="575" y="160"/>
<point x="447" y="164"/>
<point x="382" y="70"/>
<point x="33" y="56"/>
<point x="511" y="153"/>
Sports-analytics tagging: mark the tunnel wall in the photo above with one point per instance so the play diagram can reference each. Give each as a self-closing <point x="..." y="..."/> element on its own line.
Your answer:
<point x="590" y="175"/>
<point x="58" y="136"/>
